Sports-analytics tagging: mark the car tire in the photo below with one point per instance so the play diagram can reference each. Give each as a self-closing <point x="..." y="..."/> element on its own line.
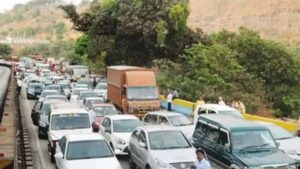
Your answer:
<point x="52" y="158"/>
<point x="148" y="167"/>
<point x="40" y="134"/>
<point x="132" y="165"/>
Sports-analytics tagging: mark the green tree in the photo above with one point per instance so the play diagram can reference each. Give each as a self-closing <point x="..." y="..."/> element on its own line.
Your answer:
<point x="5" y="50"/>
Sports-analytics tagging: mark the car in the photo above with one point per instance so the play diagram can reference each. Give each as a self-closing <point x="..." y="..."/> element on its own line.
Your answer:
<point x="176" y="120"/>
<point x="99" y="110"/>
<point x="84" y="81"/>
<point x="46" y="82"/>
<point x="287" y="142"/>
<point x="117" y="130"/>
<point x="215" y="109"/>
<point x="82" y="151"/>
<point x="45" y="72"/>
<point x="82" y="86"/>
<point x="54" y="87"/>
<point x="34" y="90"/>
<point x="237" y="143"/>
<point x="101" y="89"/>
<point x="66" y="119"/>
<point x="66" y="89"/>
<point x="89" y="101"/>
<point x="43" y="116"/>
<point x="35" y="112"/>
<point x="159" y="147"/>
<point x="57" y="97"/>
<point x="75" y="93"/>
<point x="86" y="94"/>
<point x="46" y="93"/>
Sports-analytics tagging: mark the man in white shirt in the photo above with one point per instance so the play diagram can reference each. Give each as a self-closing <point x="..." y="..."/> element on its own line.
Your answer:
<point x="169" y="101"/>
<point x="202" y="162"/>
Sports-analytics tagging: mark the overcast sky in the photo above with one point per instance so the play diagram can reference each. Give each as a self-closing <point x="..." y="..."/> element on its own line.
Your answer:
<point x="9" y="4"/>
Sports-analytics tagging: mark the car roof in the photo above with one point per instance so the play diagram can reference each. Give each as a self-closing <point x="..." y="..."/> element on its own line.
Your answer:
<point x="84" y="137"/>
<point x="102" y="104"/>
<point x="87" y="91"/>
<point x="65" y="108"/>
<point x="50" y="91"/>
<point x="51" y="101"/>
<point x="121" y="117"/>
<point x="153" y="128"/>
<point x="217" y="107"/>
<point x="56" y="96"/>
<point x="229" y="122"/>
<point x="164" y="113"/>
<point x="93" y="98"/>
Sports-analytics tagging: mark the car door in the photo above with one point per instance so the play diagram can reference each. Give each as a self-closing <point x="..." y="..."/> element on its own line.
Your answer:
<point x="61" y="148"/>
<point x="211" y="140"/>
<point x="133" y="145"/>
<point x="142" y="152"/>
<point x="106" y="130"/>
<point x="223" y="148"/>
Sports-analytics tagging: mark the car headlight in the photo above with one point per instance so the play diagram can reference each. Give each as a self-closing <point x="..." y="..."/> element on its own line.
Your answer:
<point x="42" y="124"/>
<point x="120" y="141"/>
<point x="162" y="164"/>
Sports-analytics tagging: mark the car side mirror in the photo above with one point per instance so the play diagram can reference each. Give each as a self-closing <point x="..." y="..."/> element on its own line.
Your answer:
<point x="107" y="130"/>
<point x="59" y="155"/>
<point x="95" y="127"/>
<point x="143" y="145"/>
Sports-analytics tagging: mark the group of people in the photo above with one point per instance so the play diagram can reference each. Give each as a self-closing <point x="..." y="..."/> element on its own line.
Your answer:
<point x="235" y="103"/>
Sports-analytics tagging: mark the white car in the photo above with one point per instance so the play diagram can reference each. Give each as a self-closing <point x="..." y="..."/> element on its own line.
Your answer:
<point x="66" y="119"/>
<point x="288" y="143"/>
<point x="160" y="147"/>
<point x="101" y="89"/>
<point x="215" y="109"/>
<point x="176" y="120"/>
<point x="75" y="94"/>
<point x="85" y="94"/>
<point x="85" y="151"/>
<point x="117" y="130"/>
<point x="46" y="93"/>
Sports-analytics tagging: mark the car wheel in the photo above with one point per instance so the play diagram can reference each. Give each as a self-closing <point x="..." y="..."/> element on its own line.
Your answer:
<point x="52" y="158"/>
<point x="148" y="167"/>
<point x="41" y="136"/>
<point x="132" y="165"/>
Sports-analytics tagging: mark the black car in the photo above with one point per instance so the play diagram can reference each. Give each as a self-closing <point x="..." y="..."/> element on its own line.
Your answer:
<point x="34" y="90"/>
<point x="35" y="112"/>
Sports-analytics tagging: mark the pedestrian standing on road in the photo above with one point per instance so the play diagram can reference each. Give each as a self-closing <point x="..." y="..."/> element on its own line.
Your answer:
<point x="169" y="101"/>
<point x="221" y="102"/>
<point x="202" y="162"/>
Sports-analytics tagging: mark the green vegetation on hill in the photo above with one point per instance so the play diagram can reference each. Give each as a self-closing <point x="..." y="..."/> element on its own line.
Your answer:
<point x="261" y="73"/>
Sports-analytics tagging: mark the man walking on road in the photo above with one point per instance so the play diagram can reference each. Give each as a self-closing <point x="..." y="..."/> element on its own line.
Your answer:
<point x="202" y="162"/>
<point x="169" y="100"/>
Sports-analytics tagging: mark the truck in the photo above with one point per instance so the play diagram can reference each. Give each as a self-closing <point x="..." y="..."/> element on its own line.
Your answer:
<point x="133" y="90"/>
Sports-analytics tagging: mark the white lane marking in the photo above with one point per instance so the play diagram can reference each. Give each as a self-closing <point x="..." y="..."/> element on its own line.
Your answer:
<point x="36" y="139"/>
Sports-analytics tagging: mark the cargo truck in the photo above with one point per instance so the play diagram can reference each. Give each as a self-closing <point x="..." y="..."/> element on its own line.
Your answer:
<point x="133" y="89"/>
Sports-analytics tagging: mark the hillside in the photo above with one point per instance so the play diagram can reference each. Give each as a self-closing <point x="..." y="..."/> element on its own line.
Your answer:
<point x="274" y="19"/>
<point x="38" y="20"/>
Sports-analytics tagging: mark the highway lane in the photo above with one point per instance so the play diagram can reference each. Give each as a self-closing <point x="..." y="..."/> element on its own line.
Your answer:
<point x="41" y="158"/>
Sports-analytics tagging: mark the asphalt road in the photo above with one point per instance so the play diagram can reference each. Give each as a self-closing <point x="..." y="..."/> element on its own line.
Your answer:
<point x="41" y="158"/>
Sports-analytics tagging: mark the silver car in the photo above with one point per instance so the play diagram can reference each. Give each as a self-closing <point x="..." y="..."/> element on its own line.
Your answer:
<point x="160" y="147"/>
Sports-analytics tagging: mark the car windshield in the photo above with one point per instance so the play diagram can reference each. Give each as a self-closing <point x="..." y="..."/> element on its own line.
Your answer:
<point x="252" y="139"/>
<point x="88" y="94"/>
<point x="142" y="93"/>
<point x="44" y="94"/>
<point x="126" y="125"/>
<point x="94" y="101"/>
<point x="65" y="86"/>
<point x="53" y="88"/>
<point x="101" y="86"/>
<point x="231" y="112"/>
<point x="179" y="120"/>
<point x="88" y="150"/>
<point x="105" y="110"/>
<point x="77" y="91"/>
<point x="279" y="133"/>
<point x="80" y="71"/>
<point x="70" y="121"/>
<point x="160" y="140"/>
<point x="57" y="98"/>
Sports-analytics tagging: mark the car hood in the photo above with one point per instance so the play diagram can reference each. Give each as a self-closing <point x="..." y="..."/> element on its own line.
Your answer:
<point x="290" y="144"/>
<point x="175" y="155"/>
<point x="58" y="134"/>
<point x="261" y="157"/>
<point x="187" y="130"/>
<point x="107" y="163"/>
<point x="124" y="136"/>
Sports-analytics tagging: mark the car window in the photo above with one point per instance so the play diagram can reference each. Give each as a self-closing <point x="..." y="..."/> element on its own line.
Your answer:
<point x="62" y="144"/>
<point x="201" y="129"/>
<point x="211" y="112"/>
<point x="37" y="106"/>
<point x="147" y="118"/>
<point x="142" y="137"/>
<point x="153" y="119"/>
<point x="223" y="140"/>
<point x="213" y="134"/>
<point x="135" y="134"/>
<point x="201" y="111"/>
<point x="104" y="123"/>
<point x="163" y="120"/>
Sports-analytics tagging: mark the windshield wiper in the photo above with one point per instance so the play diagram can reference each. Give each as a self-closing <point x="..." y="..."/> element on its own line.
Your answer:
<point x="283" y="138"/>
<point x="254" y="146"/>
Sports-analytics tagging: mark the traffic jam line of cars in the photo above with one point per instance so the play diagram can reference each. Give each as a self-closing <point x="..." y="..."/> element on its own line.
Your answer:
<point x="85" y="131"/>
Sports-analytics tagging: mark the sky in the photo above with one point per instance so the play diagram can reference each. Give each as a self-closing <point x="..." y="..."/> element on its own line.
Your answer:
<point x="9" y="4"/>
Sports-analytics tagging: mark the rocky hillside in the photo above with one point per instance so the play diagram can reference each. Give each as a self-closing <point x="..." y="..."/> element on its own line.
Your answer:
<point x="274" y="19"/>
<point x="38" y="20"/>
